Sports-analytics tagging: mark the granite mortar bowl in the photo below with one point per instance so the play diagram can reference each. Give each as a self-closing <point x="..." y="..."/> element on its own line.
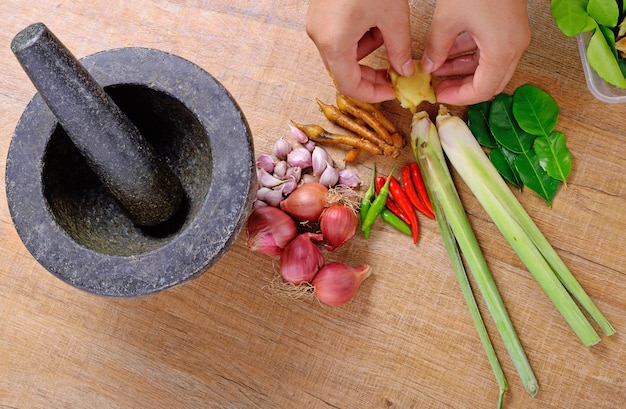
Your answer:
<point x="73" y="226"/>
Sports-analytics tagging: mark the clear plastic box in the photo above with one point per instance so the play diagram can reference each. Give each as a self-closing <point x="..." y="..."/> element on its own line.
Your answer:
<point x="598" y="87"/>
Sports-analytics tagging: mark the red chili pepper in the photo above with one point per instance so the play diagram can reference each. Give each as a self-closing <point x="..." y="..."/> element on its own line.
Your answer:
<point x="411" y="192"/>
<point x="416" y="176"/>
<point x="391" y="205"/>
<point x="403" y="202"/>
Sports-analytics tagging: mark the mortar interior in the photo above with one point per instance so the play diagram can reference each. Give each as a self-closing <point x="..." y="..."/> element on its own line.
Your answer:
<point x="84" y="208"/>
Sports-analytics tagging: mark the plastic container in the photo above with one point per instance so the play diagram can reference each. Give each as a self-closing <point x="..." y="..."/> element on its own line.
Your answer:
<point x="599" y="88"/>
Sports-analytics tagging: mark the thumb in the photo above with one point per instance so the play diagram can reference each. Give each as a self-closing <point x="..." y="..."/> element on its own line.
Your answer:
<point x="437" y="48"/>
<point x="396" y="32"/>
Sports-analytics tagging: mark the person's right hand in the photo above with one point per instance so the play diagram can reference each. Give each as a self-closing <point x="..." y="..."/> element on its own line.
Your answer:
<point x="346" y="31"/>
<point x="477" y="46"/>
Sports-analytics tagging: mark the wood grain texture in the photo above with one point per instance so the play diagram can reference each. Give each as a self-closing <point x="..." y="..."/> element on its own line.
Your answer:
<point x="406" y="341"/>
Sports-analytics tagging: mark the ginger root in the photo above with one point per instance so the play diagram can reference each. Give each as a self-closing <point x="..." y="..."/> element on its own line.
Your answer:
<point x="412" y="91"/>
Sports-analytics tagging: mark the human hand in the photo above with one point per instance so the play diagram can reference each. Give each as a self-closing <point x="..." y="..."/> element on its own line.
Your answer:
<point x="480" y="44"/>
<point x="346" y="31"/>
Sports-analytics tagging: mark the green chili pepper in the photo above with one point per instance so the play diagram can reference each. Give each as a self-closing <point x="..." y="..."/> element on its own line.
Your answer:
<point x="366" y="201"/>
<point x="378" y="204"/>
<point x="395" y="222"/>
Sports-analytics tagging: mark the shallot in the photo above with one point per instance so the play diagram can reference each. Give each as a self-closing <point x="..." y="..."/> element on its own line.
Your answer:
<point x="338" y="224"/>
<point x="269" y="230"/>
<point x="306" y="203"/>
<point x="301" y="259"/>
<point x="337" y="283"/>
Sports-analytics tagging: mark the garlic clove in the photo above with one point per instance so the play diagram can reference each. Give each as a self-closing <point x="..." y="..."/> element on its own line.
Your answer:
<point x="300" y="157"/>
<point x="258" y="203"/>
<point x="280" y="169"/>
<point x="266" y="179"/>
<point x="349" y="178"/>
<point x="265" y="162"/>
<point x="337" y="283"/>
<point x="282" y="147"/>
<point x="295" y="172"/>
<point x="319" y="160"/>
<point x="289" y="186"/>
<point x="310" y="145"/>
<point x="310" y="178"/>
<point x="329" y="177"/>
<point x="298" y="135"/>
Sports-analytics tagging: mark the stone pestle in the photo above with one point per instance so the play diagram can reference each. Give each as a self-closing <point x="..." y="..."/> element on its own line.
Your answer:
<point x="137" y="177"/>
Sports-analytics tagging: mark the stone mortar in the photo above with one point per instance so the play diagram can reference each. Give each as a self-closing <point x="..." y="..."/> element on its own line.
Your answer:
<point x="74" y="227"/>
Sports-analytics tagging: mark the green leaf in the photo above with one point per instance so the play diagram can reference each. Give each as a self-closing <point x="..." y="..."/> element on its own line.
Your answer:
<point x="505" y="128"/>
<point x="570" y="15"/>
<point x="535" y="178"/>
<point x="478" y="123"/>
<point x="605" y="12"/>
<point x="609" y="36"/>
<point x="503" y="160"/>
<point x="602" y="60"/>
<point x="554" y="156"/>
<point x="535" y="110"/>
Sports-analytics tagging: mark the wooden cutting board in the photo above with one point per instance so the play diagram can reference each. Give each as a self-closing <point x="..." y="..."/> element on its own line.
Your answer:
<point x="406" y="340"/>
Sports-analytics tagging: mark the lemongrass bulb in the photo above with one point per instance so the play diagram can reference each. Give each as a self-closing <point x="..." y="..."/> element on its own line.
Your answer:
<point x="329" y="177"/>
<point x="301" y="259"/>
<point x="349" y="178"/>
<point x="265" y="162"/>
<point x="338" y="224"/>
<point x="298" y="135"/>
<point x="280" y="169"/>
<point x="281" y="148"/>
<point x="269" y="230"/>
<point x="337" y="283"/>
<point x="266" y="179"/>
<point x="306" y="203"/>
<point x="300" y="157"/>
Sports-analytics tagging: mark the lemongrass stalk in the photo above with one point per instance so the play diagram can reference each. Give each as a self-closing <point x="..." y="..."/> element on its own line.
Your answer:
<point x="429" y="156"/>
<point x="538" y="255"/>
<point x="459" y="269"/>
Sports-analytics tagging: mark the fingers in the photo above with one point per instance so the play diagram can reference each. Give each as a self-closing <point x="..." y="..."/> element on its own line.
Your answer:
<point x="370" y="41"/>
<point x="347" y="31"/>
<point x="395" y="28"/>
<point x="476" y="50"/>
<point x="487" y="80"/>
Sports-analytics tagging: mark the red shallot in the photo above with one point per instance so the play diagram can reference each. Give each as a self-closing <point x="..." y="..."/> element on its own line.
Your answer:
<point x="338" y="224"/>
<point x="269" y="230"/>
<point x="337" y="283"/>
<point x="301" y="259"/>
<point x="306" y="203"/>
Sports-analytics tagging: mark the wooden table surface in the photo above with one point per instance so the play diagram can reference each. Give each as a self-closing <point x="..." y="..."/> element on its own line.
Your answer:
<point x="405" y="341"/>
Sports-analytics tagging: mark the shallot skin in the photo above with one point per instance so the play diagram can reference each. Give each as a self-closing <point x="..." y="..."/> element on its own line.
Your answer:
<point x="301" y="259"/>
<point x="269" y="230"/>
<point x="337" y="283"/>
<point x="307" y="202"/>
<point x="338" y="224"/>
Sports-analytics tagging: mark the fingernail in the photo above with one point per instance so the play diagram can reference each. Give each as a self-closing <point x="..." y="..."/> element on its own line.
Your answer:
<point x="408" y="68"/>
<point x="427" y="65"/>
